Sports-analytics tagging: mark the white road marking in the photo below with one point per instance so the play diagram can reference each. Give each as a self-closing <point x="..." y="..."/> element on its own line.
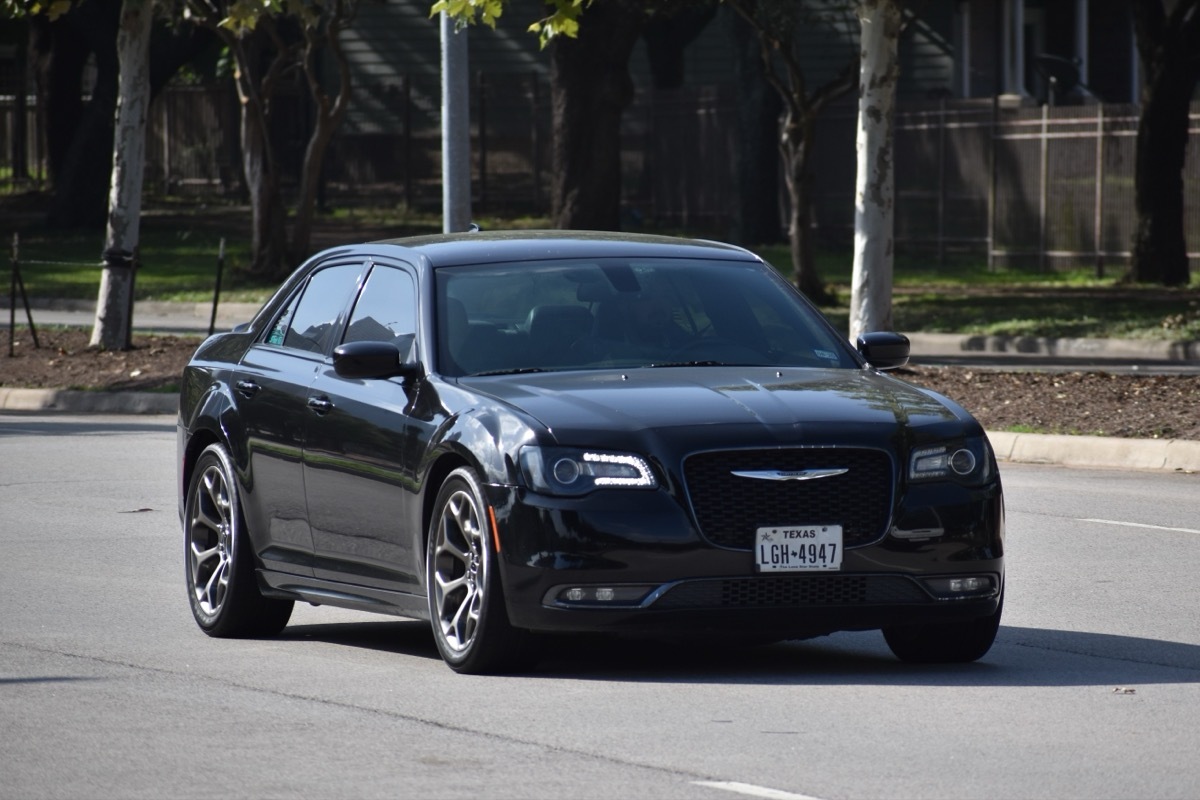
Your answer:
<point x="751" y="790"/>
<point x="1139" y="525"/>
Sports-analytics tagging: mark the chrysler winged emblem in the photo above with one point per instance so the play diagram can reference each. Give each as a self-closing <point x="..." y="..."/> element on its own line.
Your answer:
<point x="790" y="474"/>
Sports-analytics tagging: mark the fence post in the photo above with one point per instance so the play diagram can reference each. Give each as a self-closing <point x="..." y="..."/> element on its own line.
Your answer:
<point x="1098" y="234"/>
<point x="995" y="138"/>
<point x="17" y="284"/>
<point x="165" y="100"/>
<point x="408" y="178"/>
<point x="1044" y="193"/>
<point x="212" y="320"/>
<point x="535" y="140"/>
<point x="12" y="297"/>
<point x="481" y="90"/>
<point x="941" y="199"/>
<point x="135" y="263"/>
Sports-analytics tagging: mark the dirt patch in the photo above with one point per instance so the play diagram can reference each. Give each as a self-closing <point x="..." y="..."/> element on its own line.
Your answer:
<point x="1088" y="403"/>
<point x="64" y="361"/>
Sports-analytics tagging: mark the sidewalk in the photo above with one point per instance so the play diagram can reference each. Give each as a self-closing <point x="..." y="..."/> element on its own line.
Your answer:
<point x="1075" y="451"/>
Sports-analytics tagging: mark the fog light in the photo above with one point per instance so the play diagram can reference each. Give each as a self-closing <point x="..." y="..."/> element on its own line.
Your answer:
<point x="597" y="595"/>
<point x="962" y="587"/>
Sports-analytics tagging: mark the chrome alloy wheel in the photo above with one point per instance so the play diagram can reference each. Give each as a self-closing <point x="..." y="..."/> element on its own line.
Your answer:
<point x="463" y="583"/>
<point x="210" y="530"/>
<point x="459" y="570"/>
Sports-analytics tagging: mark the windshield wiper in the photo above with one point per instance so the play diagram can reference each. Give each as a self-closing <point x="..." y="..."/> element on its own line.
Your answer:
<point x="517" y="371"/>
<point x="706" y="363"/>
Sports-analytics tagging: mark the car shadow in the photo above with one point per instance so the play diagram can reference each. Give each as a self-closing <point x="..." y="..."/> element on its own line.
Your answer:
<point x="405" y="637"/>
<point x="1023" y="657"/>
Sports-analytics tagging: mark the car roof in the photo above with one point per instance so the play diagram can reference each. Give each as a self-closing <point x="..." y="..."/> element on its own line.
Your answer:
<point x="480" y="247"/>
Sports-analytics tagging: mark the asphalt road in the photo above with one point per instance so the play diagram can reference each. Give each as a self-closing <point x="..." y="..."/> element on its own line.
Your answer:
<point x="107" y="688"/>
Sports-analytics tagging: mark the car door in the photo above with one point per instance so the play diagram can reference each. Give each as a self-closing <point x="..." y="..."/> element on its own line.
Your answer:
<point x="359" y="475"/>
<point x="271" y="385"/>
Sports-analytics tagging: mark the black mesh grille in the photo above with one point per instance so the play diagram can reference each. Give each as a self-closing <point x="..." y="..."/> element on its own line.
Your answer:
<point x="729" y="508"/>
<point x="793" y="591"/>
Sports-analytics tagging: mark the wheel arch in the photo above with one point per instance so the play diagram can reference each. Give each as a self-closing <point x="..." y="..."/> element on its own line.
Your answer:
<point x="210" y="424"/>
<point x="445" y="464"/>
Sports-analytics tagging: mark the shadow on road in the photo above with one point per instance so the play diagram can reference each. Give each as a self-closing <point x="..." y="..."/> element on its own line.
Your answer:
<point x="407" y="637"/>
<point x="1021" y="657"/>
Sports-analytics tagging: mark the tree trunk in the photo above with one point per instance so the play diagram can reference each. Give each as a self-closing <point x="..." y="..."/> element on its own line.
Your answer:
<point x="667" y="37"/>
<point x="115" y="302"/>
<point x="79" y="136"/>
<point x="1167" y="47"/>
<point x="268" y="236"/>
<point x="794" y="147"/>
<point x="329" y="114"/>
<point x="256" y="86"/>
<point x="590" y="88"/>
<point x="757" y="213"/>
<point x="1159" y="249"/>
<point x="871" y="283"/>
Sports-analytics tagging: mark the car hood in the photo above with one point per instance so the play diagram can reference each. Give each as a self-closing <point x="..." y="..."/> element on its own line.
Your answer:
<point x="782" y="404"/>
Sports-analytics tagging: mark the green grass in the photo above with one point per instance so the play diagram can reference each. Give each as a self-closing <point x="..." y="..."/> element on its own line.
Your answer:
<point x="180" y="240"/>
<point x="175" y="263"/>
<point x="965" y="296"/>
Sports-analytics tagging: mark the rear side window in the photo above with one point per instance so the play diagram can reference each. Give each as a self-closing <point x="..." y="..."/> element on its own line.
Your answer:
<point x="306" y="324"/>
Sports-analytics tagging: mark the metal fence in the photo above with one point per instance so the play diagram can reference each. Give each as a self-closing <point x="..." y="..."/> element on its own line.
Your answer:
<point x="1029" y="186"/>
<point x="1036" y="187"/>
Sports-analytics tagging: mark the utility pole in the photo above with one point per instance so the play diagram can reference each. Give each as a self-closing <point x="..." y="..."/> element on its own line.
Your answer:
<point x="456" y="127"/>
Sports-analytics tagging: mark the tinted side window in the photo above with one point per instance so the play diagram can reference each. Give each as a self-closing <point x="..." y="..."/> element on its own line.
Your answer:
<point x="322" y="301"/>
<point x="386" y="310"/>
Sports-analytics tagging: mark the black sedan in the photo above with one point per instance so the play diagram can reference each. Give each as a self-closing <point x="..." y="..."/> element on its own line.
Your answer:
<point x="518" y="433"/>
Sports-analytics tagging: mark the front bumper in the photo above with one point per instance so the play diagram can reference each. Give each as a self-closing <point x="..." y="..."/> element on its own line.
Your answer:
<point x="640" y="565"/>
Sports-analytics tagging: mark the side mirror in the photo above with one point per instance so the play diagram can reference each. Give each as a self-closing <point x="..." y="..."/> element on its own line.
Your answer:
<point x="367" y="360"/>
<point x="883" y="349"/>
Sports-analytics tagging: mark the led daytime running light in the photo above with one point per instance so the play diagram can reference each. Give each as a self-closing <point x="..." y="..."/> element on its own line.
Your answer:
<point x="640" y="477"/>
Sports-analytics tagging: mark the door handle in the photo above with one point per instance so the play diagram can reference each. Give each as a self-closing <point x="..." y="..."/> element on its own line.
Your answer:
<point x="247" y="389"/>
<point x="321" y="405"/>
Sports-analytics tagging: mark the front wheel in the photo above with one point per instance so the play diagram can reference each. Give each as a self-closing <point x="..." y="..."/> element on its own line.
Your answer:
<point x="947" y="642"/>
<point x="466" y="603"/>
<point x="221" y="585"/>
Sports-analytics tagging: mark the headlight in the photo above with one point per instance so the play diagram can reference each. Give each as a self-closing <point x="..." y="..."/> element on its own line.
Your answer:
<point x="969" y="461"/>
<point x="571" y="471"/>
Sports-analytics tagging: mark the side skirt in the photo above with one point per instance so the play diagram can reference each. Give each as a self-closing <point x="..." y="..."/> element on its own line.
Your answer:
<point x="287" y="586"/>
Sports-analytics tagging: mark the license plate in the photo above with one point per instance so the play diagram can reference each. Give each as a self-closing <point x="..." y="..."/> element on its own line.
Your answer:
<point x="800" y="548"/>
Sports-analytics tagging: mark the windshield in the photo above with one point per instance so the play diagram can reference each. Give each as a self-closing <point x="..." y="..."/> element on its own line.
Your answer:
<point x="625" y="313"/>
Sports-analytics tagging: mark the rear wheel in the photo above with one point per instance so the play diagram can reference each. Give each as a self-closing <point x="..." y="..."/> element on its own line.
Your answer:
<point x="945" y="643"/>
<point x="466" y="603"/>
<point x="222" y="588"/>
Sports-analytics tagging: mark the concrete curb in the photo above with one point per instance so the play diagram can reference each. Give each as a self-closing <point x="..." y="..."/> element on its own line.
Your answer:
<point x="74" y="401"/>
<point x="935" y="344"/>
<point x="1174" y="455"/>
<point x="1171" y="455"/>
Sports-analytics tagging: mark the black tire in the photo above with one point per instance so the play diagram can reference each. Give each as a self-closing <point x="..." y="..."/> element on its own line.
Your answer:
<point x="462" y="577"/>
<point x="219" y="559"/>
<point x="945" y="643"/>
